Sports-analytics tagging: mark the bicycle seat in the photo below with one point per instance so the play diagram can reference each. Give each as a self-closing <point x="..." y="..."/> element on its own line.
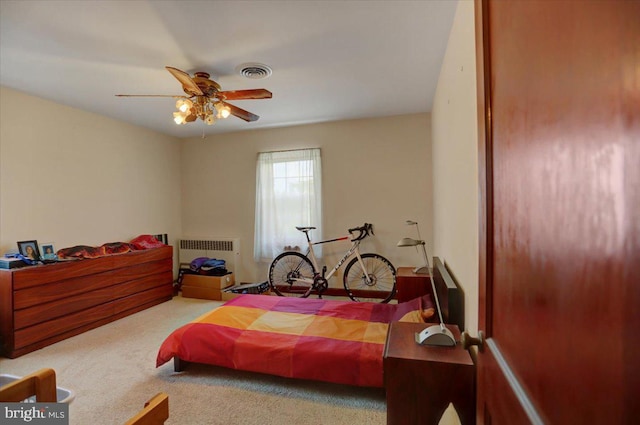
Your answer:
<point x="305" y="229"/>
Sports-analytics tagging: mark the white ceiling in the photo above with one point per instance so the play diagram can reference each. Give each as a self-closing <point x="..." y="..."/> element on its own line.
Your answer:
<point x="331" y="60"/>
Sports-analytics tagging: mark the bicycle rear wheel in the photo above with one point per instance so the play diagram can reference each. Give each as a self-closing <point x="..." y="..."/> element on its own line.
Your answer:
<point x="285" y="271"/>
<point x="381" y="273"/>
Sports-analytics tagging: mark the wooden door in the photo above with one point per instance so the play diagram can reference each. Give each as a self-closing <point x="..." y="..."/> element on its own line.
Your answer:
<point x="559" y="151"/>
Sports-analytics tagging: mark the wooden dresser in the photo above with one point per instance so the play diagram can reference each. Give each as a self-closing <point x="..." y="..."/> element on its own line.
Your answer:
<point x="44" y="304"/>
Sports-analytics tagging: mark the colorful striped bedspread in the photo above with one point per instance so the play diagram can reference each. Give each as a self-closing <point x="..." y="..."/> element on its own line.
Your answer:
<point x="317" y="339"/>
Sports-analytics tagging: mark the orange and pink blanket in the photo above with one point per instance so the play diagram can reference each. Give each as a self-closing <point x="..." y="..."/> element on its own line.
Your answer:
<point x="316" y="339"/>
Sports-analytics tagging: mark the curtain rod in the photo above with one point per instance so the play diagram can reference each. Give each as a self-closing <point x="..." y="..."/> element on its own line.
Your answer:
<point x="289" y="150"/>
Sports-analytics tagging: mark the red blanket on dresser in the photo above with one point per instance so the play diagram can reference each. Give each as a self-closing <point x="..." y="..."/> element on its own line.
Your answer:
<point x="317" y="339"/>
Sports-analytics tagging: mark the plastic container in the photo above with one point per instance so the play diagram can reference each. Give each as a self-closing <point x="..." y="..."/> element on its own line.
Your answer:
<point x="63" y="395"/>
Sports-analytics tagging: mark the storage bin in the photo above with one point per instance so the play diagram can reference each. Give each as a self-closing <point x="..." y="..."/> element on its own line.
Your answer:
<point x="63" y="395"/>
<point x="206" y="287"/>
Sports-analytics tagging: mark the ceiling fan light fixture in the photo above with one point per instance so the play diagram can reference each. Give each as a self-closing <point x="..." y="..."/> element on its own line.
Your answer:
<point x="210" y="119"/>
<point x="184" y="105"/>
<point x="223" y="111"/>
<point x="180" y="117"/>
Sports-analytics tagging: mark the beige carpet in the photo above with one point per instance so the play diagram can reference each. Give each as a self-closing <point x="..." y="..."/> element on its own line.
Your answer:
<point x="112" y="371"/>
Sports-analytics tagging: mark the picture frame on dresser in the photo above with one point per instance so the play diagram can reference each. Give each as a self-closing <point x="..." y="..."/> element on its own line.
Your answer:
<point x="29" y="249"/>
<point x="162" y="237"/>
<point x="48" y="251"/>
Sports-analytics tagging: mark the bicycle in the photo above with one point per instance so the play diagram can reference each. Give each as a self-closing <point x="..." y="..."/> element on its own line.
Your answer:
<point x="367" y="277"/>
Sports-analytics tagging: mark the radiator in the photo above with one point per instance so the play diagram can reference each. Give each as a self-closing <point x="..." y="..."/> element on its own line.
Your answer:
<point x="227" y="249"/>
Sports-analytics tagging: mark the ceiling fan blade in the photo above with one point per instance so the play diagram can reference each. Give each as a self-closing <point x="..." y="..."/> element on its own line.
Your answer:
<point x="241" y="113"/>
<point x="245" y="94"/>
<point x="153" y="95"/>
<point x="187" y="82"/>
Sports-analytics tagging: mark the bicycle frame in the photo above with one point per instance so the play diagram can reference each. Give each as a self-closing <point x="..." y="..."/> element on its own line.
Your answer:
<point x="367" y="277"/>
<point x="354" y="249"/>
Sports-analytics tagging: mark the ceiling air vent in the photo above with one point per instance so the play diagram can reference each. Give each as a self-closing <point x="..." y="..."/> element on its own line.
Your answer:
<point x="255" y="71"/>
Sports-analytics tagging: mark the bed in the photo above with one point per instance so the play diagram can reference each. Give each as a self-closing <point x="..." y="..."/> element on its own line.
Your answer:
<point x="305" y="338"/>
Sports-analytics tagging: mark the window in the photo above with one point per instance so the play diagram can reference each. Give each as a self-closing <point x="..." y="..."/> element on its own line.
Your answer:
<point x="288" y="194"/>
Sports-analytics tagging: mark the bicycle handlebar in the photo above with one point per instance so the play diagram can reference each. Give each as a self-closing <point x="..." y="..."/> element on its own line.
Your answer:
<point x="364" y="231"/>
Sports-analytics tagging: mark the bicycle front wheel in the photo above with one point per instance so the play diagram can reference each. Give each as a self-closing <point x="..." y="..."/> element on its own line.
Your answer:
<point x="381" y="285"/>
<point x="291" y="275"/>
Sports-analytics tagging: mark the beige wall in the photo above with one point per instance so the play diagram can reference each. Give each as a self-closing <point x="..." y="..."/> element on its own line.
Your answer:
<point x="455" y="178"/>
<point x="71" y="177"/>
<point x="75" y="178"/>
<point x="374" y="170"/>
<point x="455" y="171"/>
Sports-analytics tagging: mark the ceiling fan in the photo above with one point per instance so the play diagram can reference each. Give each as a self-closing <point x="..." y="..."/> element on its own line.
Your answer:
<point x="205" y="100"/>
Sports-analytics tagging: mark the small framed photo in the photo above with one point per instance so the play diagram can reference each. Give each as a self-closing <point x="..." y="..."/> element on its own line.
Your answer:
<point x="29" y="249"/>
<point x="162" y="237"/>
<point x="48" y="251"/>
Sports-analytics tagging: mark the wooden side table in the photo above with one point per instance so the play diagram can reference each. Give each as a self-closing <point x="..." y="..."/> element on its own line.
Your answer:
<point x="410" y="285"/>
<point x="421" y="381"/>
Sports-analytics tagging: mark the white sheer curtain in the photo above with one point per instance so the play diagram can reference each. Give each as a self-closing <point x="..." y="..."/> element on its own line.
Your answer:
<point x="288" y="194"/>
